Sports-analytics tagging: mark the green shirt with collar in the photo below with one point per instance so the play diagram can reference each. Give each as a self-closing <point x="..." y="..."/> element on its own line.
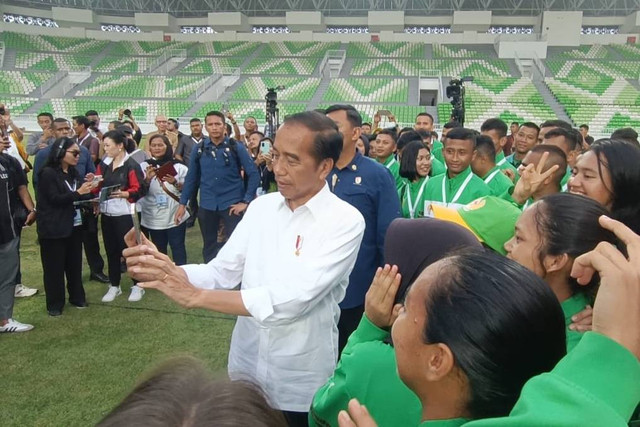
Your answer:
<point x="498" y="182"/>
<point x="474" y="189"/>
<point x="367" y="371"/>
<point x="437" y="167"/>
<point x="503" y="163"/>
<point x="412" y="189"/>
<point x="393" y="165"/>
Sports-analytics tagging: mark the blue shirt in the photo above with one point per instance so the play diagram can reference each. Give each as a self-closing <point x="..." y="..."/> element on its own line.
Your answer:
<point x="85" y="164"/>
<point x="369" y="187"/>
<point x="215" y="170"/>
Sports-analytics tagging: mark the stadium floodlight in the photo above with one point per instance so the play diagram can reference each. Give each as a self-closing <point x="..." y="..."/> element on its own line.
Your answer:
<point x="28" y="20"/>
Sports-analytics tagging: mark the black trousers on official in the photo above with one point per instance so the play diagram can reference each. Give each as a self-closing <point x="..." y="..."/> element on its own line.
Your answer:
<point x="113" y="230"/>
<point x="349" y="321"/>
<point x="90" y="243"/>
<point x="209" y="223"/>
<point x="60" y="258"/>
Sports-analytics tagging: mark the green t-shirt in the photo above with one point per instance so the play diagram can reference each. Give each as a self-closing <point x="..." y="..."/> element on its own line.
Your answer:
<point x="412" y="198"/>
<point x="437" y="167"/>
<point x="461" y="189"/>
<point x="437" y="153"/>
<point x="393" y="165"/>
<point x="596" y="384"/>
<point x="498" y="182"/>
<point x="367" y="371"/>
<point x="503" y="164"/>
<point x="571" y="307"/>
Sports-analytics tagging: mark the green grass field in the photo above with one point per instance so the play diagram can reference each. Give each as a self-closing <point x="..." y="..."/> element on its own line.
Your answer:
<point x="73" y="369"/>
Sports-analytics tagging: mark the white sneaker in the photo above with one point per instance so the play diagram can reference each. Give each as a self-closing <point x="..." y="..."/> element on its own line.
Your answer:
<point x="22" y="291"/>
<point x="112" y="293"/>
<point x="136" y="293"/>
<point x="15" y="326"/>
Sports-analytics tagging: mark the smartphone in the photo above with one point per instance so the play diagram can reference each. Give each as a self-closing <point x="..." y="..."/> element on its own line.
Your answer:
<point x="384" y="112"/>
<point x="265" y="147"/>
<point x="136" y="224"/>
<point x="96" y="179"/>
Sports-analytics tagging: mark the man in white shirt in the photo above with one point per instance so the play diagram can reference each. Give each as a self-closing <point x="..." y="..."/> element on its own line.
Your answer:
<point x="292" y="253"/>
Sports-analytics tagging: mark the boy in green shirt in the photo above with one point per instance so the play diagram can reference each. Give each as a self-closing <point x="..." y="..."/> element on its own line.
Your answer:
<point x="484" y="165"/>
<point x="458" y="185"/>
<point x="385" y="153"/>
<point x="524" y="141"/>
<point x="569" y="141"/>
<point x="496" y="129"/>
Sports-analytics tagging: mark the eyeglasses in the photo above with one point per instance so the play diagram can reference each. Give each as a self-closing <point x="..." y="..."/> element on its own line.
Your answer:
<point x="74" y="153"/>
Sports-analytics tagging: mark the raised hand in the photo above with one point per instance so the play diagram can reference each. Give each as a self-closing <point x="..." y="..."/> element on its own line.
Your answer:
<point x="378" y="303"/>
<point x="531" y="178"/>
<point x="615" y="312"/>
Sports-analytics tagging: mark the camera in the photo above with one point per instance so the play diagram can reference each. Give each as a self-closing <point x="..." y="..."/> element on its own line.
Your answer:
<point x="3" y="111"/>
<point x="127" y="113"/>
<point x="456" y="92"/>
<point x="272" y="112"/>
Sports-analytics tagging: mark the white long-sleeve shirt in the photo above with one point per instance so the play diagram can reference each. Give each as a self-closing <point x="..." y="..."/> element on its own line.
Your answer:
<point x="294" y="268"/>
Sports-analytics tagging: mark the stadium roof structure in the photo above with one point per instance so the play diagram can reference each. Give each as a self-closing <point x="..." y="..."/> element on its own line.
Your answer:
<point x="196" y="8"/>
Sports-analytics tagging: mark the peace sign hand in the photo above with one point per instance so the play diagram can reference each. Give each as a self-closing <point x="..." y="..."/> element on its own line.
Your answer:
<point x="531" y="178"/>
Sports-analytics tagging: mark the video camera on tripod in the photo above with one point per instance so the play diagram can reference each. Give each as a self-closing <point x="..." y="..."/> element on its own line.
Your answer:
<point x="272" y="111"/>
<point x="456" y="92"/>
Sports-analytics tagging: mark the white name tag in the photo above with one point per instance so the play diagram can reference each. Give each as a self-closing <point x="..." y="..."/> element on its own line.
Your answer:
<point x="162" y="200"/>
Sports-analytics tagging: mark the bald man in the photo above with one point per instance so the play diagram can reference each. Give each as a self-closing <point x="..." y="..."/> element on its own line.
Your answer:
<point x="162" y="126"/>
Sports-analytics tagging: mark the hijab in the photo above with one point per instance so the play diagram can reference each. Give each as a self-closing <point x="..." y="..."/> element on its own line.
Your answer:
<point x="414" y="244"/>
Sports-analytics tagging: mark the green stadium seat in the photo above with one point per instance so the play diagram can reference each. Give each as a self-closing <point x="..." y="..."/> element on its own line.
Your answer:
<point x="386" y="50"/>
<point x="128" y="86"/>
<point x="21" y="82"/>
<point x="367" y="90"/>
<point x="298" y="49"/>
<point x="293" y="66"/>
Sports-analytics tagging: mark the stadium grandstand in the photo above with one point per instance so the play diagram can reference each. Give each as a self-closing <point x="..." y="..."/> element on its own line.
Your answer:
<point x="529" y="63"/>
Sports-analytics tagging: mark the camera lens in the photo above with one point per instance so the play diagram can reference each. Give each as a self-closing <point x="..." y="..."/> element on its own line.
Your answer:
<point x="127" y="112"/>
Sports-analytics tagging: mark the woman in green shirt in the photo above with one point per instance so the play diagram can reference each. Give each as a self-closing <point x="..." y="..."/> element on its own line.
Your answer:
<point x="473" y="329"/>
<point x="415" y="168"/>
<point x="367" y="366"/>
<point x="549" y="236"/>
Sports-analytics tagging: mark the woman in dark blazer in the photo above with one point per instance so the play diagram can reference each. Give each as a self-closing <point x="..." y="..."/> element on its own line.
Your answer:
<point x="60" y="225"/>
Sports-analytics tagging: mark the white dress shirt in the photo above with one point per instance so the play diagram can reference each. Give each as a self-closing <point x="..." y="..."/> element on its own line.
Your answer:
<point x="294" y="268"/>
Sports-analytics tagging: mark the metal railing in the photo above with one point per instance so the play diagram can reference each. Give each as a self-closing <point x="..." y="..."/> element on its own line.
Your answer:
<point x="161" y="64"/>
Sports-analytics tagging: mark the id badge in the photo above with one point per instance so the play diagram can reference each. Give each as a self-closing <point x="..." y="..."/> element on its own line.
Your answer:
<point x="162" y="200"/>
<point x="77" y="219"/>
<point x="260" y="191"/>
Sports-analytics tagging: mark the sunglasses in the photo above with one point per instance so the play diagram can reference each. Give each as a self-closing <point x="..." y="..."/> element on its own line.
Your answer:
<point x="74" y="153"/>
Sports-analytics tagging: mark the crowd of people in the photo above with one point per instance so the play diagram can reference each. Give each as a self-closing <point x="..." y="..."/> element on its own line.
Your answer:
<point x="439" y="279"/>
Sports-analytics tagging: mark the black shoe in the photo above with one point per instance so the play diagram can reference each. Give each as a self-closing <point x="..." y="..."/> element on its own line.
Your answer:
<point x="81" y="305"/>
<point x="99" y="277"/>
<point x="55" y="313"/>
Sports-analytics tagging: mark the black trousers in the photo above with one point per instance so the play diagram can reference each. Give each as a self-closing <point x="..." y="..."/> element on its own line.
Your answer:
<point x="60" y="258"/>
<point x="91" y="245"/>
<point x="113" y="230"/>
<point x="349" y="321"/>
<point x="209" y="223"/>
